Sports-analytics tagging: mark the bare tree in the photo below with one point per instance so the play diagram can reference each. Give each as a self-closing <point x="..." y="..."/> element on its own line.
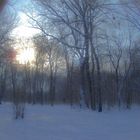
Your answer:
<point x="80" y="18"/>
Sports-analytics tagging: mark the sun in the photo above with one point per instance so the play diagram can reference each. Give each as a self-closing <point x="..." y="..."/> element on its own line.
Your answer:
<point x="25" y="55"/>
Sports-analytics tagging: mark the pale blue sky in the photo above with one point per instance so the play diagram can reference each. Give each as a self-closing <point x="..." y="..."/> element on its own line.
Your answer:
<point x="23" y="29"/>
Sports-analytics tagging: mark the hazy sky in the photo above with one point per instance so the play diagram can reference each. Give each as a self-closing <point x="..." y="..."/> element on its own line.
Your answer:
<point x="23" y="29"/>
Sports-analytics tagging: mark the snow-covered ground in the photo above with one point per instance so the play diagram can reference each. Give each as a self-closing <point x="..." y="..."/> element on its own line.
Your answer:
<point x="65" y="123"/>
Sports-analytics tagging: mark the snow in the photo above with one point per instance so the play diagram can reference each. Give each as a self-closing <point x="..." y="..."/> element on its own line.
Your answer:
<point x="65" y="123"/>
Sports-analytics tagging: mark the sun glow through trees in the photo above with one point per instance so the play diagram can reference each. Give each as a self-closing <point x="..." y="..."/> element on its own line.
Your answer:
<point x="25" y="55"/>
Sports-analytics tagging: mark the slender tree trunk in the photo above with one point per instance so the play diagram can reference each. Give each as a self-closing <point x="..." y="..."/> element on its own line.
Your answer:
<point x="87" y="65"/>
<point x="83" y="98"/>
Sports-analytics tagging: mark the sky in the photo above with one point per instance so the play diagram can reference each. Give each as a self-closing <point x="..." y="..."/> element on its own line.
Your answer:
<point x="23" y="32"/>
<point x="24" y="28"/>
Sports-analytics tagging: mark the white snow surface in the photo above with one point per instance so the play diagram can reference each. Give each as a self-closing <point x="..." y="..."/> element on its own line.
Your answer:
<point x="66" y="123"/>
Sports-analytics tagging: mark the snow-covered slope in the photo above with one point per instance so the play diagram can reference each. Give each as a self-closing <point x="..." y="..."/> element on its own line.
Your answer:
<point x="64" y="123"/>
